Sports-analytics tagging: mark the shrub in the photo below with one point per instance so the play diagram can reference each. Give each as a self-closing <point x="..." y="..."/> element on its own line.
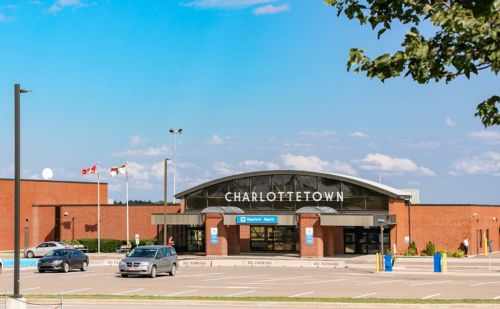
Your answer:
<point x="107" y="245"/>
<point x="71" y="242"/>
<point x="410" y="251"/>
<point x="430" y="249"/>
<point x="457" y="254"/>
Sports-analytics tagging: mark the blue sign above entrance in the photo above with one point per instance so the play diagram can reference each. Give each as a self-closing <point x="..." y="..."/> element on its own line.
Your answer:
<point x="257" y="220"/>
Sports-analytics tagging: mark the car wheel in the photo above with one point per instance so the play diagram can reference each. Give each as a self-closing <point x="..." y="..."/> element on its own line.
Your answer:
<point x="41" y="271"/>
<point x="30" y="255"/>
<point x="65" y="267"/>
<point x="153" y="272"/>
<point x="124" y="275"/>
<point x="173" y="270"/>
<point x="85" y="265"/>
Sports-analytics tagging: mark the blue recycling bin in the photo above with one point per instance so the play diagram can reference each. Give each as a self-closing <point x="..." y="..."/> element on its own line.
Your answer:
<point x="388" y="262"/>
<point x="437" y="263"/>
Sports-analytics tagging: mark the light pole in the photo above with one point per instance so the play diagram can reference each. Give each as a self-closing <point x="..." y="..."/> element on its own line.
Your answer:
<point x="175" y="132"/>
<point x="165" y="204"/>
<point x="17" y="184"/>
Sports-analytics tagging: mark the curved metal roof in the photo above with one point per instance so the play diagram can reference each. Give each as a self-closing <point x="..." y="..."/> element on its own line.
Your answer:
<point x="377" y="187"/>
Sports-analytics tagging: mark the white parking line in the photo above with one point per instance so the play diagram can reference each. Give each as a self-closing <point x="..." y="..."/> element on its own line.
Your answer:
<point x="379" y="282"/>
<point x="179" y="293"/>
<point x="285" y="278"/>
<point x="300" y="294"/>
<point x="126" y="292"/>
<point x="239" y="293"/>
<point x="200" y="275"/>
<point x="431" y="283"/>
<point x="331" y="280"/>
<point x="223" y="278"/>
<point x="483" y="283"/>
<point x="78" y="276"/>
<point x="30" y="289"/>
<point x="79" y="290"/>
<point x="361" y="296"/>
<point x="221" y="287"/>
<point x="430" y="296"/>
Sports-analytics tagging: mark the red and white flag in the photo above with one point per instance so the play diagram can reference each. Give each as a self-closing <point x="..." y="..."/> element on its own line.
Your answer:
<point x="114" y="171"/>
<point x="90" y="170"/>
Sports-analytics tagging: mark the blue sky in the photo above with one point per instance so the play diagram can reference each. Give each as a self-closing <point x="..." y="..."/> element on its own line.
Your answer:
<point x="255" y="84"/>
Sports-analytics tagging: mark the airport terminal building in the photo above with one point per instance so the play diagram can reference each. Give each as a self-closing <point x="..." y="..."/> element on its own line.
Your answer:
<point x="305" y="213"/>
<point x="317" y="215"/>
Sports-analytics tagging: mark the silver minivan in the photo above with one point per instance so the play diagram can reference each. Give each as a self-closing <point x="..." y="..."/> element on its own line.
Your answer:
<point x="150" y="261"/>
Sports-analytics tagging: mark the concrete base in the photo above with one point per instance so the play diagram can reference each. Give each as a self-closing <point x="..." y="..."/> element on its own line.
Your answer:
<point x="16" y="303"/>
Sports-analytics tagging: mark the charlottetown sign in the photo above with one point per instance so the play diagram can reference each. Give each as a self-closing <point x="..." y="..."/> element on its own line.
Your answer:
<point x="291" y="196"/>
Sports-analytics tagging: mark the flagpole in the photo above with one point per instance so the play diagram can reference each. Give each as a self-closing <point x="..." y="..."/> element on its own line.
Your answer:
<point x="98" y="210"/>
<point x="126" y="185"/>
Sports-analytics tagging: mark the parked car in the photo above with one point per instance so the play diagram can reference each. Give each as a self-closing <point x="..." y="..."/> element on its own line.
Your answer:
<point x="63" y="260"/>
<point x="1" y="265"/>
<point x="150" y="261"/>
<point x="44" y="248"/>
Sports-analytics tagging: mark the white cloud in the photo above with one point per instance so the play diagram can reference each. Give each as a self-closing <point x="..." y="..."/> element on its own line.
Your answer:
<point x="383" y="163"/>
<point x="147" y="152"/>
<point x="485" y="163"/>
<point x="136" y="140"/>
<point x="5" y="19"/>
<point x="261" y="164"/>
<point x="223" y="168"/>
<point x="226" y="3"/>
<point x="313" y="163"/>
<point x="61" y="4"/>
<point x="216" y="140"/>
<point x="450" y="122"/>
<point x="427" y="145"/>
<point x="270" y="9"/>
<point x="358" y="134"/>
<point x="317" y="134"/>
<point x="489" y="137"/>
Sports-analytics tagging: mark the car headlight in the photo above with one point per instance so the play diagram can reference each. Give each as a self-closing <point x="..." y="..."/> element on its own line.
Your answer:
<point x="57" y="262"/>
<point x="123" y="263"/>
<point x="144" y="263"/>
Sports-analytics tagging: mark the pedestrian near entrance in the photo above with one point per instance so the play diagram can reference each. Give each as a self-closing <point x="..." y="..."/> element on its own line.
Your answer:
<point x="170" y="241"/>
<point x="466" y="245"/>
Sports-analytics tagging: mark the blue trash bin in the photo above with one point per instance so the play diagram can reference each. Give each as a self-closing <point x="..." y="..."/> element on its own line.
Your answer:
<point x="437" y="263"/>
<point x="388" y="262"/>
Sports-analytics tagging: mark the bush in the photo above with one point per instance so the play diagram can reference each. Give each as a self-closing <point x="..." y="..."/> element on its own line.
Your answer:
<point x="457" y="254"/>
<point x="107" y="245"/>
<point x="430" y="249"/>
<point x="71" y="242"/>
<point x="410" y="251"/>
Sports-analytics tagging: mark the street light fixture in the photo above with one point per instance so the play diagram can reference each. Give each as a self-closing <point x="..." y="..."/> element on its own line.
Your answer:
<point x="175" y="132"/>
<point x="17" y="184"/>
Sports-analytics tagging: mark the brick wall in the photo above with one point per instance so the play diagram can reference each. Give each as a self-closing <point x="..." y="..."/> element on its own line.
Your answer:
<point x="38" y="192"/>
<point x="316" y="249"/>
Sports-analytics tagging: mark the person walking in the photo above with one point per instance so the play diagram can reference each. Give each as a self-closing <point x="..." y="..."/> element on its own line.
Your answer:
<point x="466" y="245"/>
<point x="170" y="241"/>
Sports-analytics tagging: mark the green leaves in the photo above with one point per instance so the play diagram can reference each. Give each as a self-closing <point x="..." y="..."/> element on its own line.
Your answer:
<point x="466" y="41"/>
<point x="488" y="111"/>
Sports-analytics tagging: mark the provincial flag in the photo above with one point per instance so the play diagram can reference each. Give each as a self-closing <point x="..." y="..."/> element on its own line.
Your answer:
<point x="114" y="171"/>
<point x="90" y="170"/>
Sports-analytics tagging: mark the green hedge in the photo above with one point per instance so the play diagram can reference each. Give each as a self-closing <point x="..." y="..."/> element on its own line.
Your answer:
<point x="110" y="245"/>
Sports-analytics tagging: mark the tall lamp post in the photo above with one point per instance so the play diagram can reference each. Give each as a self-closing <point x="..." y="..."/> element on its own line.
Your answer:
<point x="175" y="132"/>
<point x="165" y="204"/>
<point x="17" y="184"/>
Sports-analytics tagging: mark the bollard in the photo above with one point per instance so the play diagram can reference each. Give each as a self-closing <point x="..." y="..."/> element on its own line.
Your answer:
<point x="377" y="263"/>
<point x="444" y="263"/>
<point x="437" y="263"/>
<point x="485" y="242"/>
<point x="388" y="262"/>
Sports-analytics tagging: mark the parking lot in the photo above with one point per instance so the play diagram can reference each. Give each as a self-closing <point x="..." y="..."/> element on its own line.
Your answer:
<point x="260" y="281"/>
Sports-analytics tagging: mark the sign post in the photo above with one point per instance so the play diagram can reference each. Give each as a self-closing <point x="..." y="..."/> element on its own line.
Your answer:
<point x="213" y="236"/>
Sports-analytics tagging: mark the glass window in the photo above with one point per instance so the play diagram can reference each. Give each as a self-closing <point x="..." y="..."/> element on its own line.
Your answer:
<point x="260" y="184"/>
<point x="307" y="183"/>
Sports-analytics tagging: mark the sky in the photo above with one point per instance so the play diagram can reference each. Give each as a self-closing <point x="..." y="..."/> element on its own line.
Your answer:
<point x="254" y="84"/>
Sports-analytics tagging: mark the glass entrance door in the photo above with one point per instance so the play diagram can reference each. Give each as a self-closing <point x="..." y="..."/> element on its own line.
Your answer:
<point x="364" y="240"/>
<point x="273" y="238"/>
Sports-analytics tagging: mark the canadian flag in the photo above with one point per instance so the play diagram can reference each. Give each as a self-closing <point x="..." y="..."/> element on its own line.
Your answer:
<point x="90" y="170"/>
<point x="114" y="171"/>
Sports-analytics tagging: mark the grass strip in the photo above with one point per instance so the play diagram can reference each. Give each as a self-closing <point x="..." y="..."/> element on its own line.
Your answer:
<point x="268" y="299"/>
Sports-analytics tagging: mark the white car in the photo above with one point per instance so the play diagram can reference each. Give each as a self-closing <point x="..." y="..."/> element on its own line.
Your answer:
<point x="44" y="248"/>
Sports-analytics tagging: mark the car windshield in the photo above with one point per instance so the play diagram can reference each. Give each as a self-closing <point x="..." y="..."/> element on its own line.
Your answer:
<point x="143" y="252"/>
<point x="58" y="253"/>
